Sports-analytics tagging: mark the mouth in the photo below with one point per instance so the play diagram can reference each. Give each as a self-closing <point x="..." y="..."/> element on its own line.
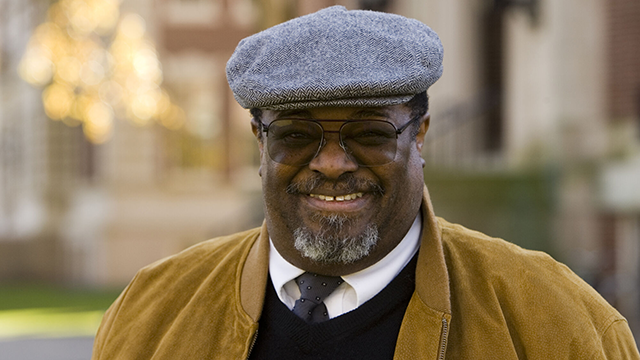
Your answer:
<point x="347" y="186"/>
<point x="332" y="202"/>
<point x="329" y="198"/>
<point x="346" y="195"/>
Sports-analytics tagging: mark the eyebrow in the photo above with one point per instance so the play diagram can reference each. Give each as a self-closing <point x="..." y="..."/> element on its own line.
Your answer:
<point x="368" y="113"/>
<point x="294" y="113"/>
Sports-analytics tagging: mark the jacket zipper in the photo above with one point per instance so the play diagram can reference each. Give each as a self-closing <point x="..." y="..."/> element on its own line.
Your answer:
<point x="253" y="343"/>
<point x="443" y="341"/>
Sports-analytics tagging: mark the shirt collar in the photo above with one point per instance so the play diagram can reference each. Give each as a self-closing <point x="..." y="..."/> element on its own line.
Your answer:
<point x="370" y="281"/>
<point x="281" y="271"/>
<point x="367" y="282"/>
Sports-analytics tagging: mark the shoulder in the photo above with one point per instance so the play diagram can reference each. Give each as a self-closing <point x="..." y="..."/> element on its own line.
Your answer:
<point x="182" y="274"/>
<point x="469" y="248"/>
<point x="203" y="257"/>
<point x="169" y="297"/>
<point x="509" y="269"/>
<point x="526" y="294"/>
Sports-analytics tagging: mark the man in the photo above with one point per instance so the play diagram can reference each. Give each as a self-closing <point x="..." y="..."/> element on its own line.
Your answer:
<point x="351" y="262"/>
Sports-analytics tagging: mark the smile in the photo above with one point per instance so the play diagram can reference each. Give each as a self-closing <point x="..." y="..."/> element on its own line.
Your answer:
<point x="338" y="197"/>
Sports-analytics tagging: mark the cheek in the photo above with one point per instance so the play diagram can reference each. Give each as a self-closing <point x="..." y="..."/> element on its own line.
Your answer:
<point x="412" y="162"/>
<point x="404" y="171"/>
<point x="411" y="182"/>
<point x="270" y="178"/>
<point x="275" y="179"/>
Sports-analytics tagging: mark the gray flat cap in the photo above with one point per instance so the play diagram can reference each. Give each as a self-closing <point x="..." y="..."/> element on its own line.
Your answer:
<point x="335" y="57"/>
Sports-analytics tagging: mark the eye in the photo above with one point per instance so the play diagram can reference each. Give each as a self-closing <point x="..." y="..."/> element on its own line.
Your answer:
<point x="295" y="133"/>
<point x="371" y="139"/>
<point x="369" y="134"/>
<point x="296" y="138"/>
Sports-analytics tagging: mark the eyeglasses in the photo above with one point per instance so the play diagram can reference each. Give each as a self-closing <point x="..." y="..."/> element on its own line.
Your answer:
<point x="298" y="141"/>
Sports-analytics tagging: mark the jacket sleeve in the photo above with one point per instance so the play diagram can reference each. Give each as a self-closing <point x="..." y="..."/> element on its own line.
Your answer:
<point x="108" y="319"/>
<point x="103" y="331"/>
<point x="618" y="343"/>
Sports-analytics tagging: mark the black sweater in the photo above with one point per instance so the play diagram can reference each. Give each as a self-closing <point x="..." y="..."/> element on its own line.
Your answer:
<point x="368" y="332"/>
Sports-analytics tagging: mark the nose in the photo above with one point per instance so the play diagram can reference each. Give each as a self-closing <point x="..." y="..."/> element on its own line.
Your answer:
<point x="332" y="160"/>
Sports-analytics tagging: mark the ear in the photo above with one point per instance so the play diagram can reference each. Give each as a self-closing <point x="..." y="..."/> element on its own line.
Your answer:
<point x="422" y="131"/>
<point x="256" y="128"/>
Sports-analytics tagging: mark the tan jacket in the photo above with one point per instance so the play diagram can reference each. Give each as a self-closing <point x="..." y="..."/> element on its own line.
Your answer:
<point x="476" y="297"/>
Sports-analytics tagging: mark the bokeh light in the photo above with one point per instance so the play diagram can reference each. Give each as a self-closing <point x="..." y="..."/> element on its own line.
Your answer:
<point x="97" y="65"/>
<point x="132" y="26"/>
<point x="99" y="122"/>
<point x="57" y="99"/>
<point x="36" y="67"/>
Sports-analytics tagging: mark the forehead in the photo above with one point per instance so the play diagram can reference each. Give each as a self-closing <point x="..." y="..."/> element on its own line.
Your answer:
<point x="394" y="113"/>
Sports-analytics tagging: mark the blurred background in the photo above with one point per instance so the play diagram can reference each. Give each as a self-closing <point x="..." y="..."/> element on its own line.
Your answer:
<point x="121" y="143"/>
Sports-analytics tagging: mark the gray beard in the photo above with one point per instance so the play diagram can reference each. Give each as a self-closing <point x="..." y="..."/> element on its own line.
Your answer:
<point x="328" y="246"/>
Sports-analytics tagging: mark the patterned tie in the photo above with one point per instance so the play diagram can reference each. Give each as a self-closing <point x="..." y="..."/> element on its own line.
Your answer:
<point x="314" y="289"/>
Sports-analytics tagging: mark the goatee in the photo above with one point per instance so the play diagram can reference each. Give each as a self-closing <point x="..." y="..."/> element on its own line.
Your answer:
<point x="330" y="245"/>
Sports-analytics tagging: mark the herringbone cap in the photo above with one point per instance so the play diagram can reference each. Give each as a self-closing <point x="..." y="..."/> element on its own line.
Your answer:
<point x="335" y="57"/>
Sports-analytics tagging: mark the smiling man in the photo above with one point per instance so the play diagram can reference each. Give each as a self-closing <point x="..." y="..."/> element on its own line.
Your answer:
<point x="351" y="262"/>
<point x="340" y="183"/>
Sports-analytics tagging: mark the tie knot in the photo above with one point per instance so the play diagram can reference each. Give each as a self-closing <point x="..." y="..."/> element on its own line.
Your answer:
<point x="314" y="289"/>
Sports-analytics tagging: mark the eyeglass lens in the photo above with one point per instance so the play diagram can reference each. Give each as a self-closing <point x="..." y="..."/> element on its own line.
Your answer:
<point x="297" y="142"/>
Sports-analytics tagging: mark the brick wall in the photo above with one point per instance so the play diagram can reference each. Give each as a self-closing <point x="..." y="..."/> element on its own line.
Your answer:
<point x="624" y="58"/>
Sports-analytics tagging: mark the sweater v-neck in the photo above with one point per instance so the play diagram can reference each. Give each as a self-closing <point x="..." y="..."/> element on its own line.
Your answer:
<point x="279" y="322"/>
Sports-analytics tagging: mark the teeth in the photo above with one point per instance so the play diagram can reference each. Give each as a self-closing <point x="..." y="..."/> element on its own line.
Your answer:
<point x="337" y="198"/>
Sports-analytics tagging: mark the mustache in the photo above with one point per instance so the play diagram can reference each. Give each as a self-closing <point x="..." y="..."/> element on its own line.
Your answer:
<point x="347" y="183"/>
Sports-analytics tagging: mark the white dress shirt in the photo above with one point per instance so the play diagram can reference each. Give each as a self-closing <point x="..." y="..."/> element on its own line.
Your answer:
<point x="358" y="287"/>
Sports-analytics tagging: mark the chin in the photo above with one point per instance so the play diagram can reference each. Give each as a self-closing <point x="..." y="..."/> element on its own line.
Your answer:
<point x="333" y="245"/>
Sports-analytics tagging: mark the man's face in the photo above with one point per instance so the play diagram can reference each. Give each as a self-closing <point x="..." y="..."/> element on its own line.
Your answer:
<point x="334" y="216"/>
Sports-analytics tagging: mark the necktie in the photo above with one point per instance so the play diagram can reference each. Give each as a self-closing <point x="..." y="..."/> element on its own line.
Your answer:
<point x="314" y="289"/>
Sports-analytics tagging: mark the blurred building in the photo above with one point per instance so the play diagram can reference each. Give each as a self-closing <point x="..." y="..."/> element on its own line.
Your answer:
<point x="534" y="133"/>
<point x="534" y="138"/>
<point x="76" y="212"/>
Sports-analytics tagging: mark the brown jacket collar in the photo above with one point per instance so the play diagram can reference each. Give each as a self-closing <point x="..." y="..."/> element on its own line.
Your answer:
<point x="432" y="279"/>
